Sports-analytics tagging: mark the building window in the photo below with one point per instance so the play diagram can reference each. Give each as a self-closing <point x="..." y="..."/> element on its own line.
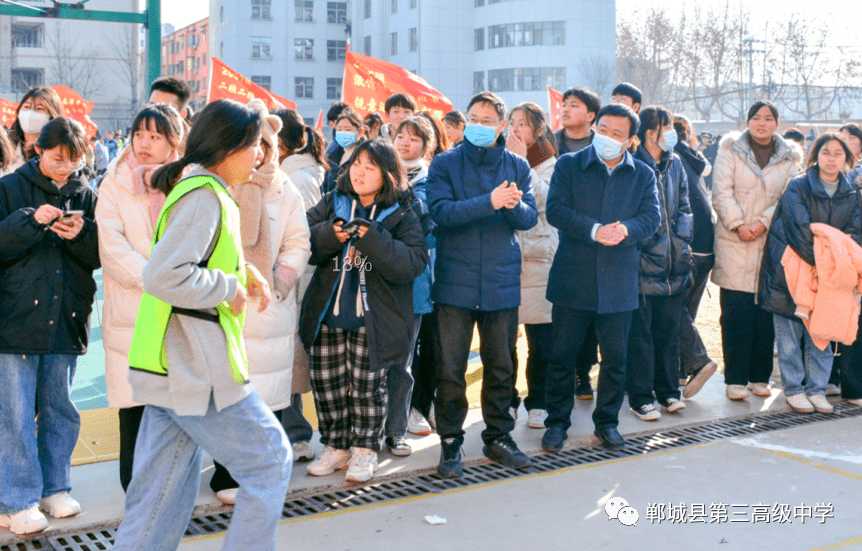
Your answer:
<point x="304" y="10"/>
<point x="336" y="12"/>
<point x="540" y="33"/>
<point x="394" y="6"/>
<point x="393" y="43"/>
<point x="303" y="49"/>
<point x="333" y="88"/>
<point x="480" y="39"/>
<point x="479" y="3"/>
<point x="304" y="87"/>
<point x="335" y="50"/>
<point x="24" y="79"/>
<point x="413" y="3"/>
<point x="221" y="14"/>
<point x="192" y="41"/>
<point x="28" y="36"/>
<point x="366" y="46"/>
<point x="526" y="80"/>
<point x="414" y="39"/>
<point x="367" y="9"/>
<point x="264" y="81"/>
<point x="260" y="47"/>
<point x="260" y="9"/>
<point x="478" y="82"/>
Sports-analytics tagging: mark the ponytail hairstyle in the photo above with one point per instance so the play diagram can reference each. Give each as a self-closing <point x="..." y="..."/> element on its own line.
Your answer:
<point x="382" y="154"/>
<point x="653" y="117"/>
<point x="290" y="137"/>
<point x="223" y="127"/>
<point x="441" y="140"/>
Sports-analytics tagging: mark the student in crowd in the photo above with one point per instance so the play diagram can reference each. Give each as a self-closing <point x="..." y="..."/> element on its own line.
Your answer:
<point x="696" y="367"/>
<point x="349" y="131"/>
<point x="38" y="107"/>
<point x="795" y="135"/>
<point x="454" y="124"/>
<point x="652" y="371"/>
<point x="373" y="122"/>
<point x="197" y="285"/>
<point x="480" y="195"/>
<point x="820" y="195"/>
<point x="853" y="136"/>
<point x="577" y="115"/>
<point x="357" y="314"/>
<point x="531" y="138"/>
<point x="126" y="213"/>
<point x="173" y="91"/>
<point x="100" y="155"/>
<point x="413" y="139"/>
<point x="398" y="107"/>
<point x="440" y="142"/>
<point x="334" y="152"/>
<point x="750" y="173"/>
<point x="604" y="203"/>
<point x="301" y="153"/>
<point x="628" y="94"/>
<point x="111" y="144"/>
<point x="47" y="260"/>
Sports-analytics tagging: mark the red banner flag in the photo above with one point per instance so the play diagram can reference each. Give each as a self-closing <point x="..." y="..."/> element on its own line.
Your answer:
<point x="77" y="108"/>
<point x="319" y="124"/>
<point x="225" y="83"/>
<point x="555" y="104"/>
<point x="7" y="112"/>
<point x="368" y="83"/>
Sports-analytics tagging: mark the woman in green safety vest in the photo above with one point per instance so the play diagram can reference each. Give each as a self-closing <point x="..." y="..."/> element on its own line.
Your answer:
<point x="187" y="360"/>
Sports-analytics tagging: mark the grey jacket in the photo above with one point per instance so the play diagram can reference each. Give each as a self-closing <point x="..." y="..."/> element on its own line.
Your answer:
<point x="198" y="364"/>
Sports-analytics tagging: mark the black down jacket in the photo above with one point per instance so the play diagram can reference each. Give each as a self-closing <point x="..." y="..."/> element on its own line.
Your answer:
<point x="46" y="282"/>
<point x="694" y="164"/>
<point x="666" y="256"/>
<point x="803" y="203"/>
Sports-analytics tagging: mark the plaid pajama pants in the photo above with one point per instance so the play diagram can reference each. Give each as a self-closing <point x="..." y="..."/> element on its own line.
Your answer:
<point x="349" y="396"/>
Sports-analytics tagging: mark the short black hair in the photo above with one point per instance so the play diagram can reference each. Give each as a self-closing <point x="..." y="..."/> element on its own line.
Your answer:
<point x="175" y="86"/>
<point x="454" y="118"/>
<point x="794" y="134"/>
<point x="335" y="110"/>
<point x="628" y="89"/>
<point x="492" y="99"/>
<point x="587" y="97"/>
<point x="66" y="133"/>
<point x="400" y="100"/>
<point x="620" y="110"/>
<point x="760" y="104"/>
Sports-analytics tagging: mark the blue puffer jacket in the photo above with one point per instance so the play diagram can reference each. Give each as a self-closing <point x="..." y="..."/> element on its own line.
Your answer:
<point x="478" y="262"/>
<point x="422" y="303"/>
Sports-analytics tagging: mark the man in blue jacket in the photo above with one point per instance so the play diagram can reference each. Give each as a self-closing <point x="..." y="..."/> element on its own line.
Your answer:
<point x="604" y="203"/>
<point x="479" y="195"/>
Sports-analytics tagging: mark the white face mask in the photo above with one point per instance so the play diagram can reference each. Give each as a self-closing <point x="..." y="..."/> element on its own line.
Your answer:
<point x="32" y="122"/>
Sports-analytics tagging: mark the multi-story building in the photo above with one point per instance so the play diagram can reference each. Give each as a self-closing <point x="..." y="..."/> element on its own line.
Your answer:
<point x="185" y="56"/>
<point x="99" y="60"/>
<point x="513" y="47"/>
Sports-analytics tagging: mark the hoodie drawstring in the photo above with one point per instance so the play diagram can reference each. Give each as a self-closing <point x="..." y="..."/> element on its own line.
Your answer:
<point x="350" y="248"/>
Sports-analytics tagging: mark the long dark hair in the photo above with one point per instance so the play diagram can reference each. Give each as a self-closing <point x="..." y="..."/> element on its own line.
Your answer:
<point x="292" y="130"/>
<point x="538" y="121"/>
<point x="440" y="137"/>
<point x="165" y="118"/>
<point x="55" y="109"/>
<point x="221" y="128"/>
<point x="821" y="141"/>
<point x="383" y="155"/>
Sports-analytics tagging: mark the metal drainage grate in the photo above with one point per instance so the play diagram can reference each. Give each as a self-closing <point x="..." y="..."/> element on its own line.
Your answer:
<point x="474" y="474"/>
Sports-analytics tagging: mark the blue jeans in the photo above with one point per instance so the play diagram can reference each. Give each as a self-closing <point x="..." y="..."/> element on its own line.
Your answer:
<point x="245" y="437"/>
<point x="814" y="367"/>
<point x="399" y="385"/>
<point x="35" y="459"/>
<point x="295" y="425"/>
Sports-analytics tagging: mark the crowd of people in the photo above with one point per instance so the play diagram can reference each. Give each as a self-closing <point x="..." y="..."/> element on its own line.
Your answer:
<point x="246" y="263"/>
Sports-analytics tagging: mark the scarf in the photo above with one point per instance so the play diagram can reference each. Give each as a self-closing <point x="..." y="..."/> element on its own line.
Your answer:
<point x="141" y="176"/>
<point x="415" y="169"/>
<point x="539" y="152"/>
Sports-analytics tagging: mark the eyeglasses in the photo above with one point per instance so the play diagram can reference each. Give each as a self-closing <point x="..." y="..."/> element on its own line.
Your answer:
<point x="67" y="166"/>
<point x="484" y="122"/>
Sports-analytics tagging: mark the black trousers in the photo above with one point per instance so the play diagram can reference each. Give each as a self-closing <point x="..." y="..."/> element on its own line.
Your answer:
<point x="130" y="422"/>
<point x="571" y="328"/>
<point x="692" y="351"/>
<point x="850" y="365"/>
<point x="747" y="339"/>
<point x="540" y="340"/>
<point x="653" y="358"/>
<point x="588" y="356"/>
<point x="425" y="364"/>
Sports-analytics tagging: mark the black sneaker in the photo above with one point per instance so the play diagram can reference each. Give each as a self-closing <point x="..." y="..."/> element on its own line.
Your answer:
<point x="554" y="439"/>
<point x="503" y="450"/>
<point x="584" y="391"/>
<point x="450" y="458"/>
<point x="398" y="446"/>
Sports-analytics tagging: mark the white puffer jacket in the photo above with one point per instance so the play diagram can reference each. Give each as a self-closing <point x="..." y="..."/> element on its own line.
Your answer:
<point x="742" y="193"/>
<point x="538" y="246"/>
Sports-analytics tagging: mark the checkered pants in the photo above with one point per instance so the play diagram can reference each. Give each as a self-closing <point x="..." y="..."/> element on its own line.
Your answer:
<point x="349" y="396"/>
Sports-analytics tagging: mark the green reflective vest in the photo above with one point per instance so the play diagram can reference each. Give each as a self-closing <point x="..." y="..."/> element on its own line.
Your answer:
<point x="148" y="343"/>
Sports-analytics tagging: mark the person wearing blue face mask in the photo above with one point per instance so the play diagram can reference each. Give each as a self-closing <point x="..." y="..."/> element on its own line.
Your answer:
<point x="479" y="195"/>
<point x="349" y="131"/>
<point x="665" y="275"/>
<point x="604" y="203"/>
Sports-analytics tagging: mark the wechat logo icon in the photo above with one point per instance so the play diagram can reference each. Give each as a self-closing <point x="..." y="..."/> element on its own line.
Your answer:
<point x="619" y="509"/>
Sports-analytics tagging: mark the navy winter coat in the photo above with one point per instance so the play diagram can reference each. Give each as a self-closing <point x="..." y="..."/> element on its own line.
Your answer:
<point x="586" y="275"/>
<point x="46" y="282"/>
<point x="803" y="203"/>
<point x="666" y="255"/>
<point x="478" y="263"/>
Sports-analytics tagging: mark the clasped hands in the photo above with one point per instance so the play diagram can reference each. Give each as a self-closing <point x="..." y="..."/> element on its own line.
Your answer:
<point x="506" y="195"/>
<point x="612" y="234"/>
<point x="750" y="232"/>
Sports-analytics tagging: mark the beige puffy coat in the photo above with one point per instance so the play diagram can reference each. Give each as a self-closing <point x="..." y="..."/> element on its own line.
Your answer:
<point x="125" y="236"/>
<point x="538" y="246"/>
<point x="307" y="176"/>
<point x="742" y="193"/>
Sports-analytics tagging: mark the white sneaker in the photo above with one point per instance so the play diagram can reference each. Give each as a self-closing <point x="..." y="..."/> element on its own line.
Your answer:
<point x="798" y="402"/>
<point x="736" y="392"/>
<point x="432" y="419"/>
<point x="833" y="390"/>
<point x="760" y="389"/>
<point x="24" y="522"/>
<point x="228" y="497"/>
<point x="820" y="403"/>
<point x="536" y="418"/>
<point x="417" y="424"/>
<point x="330" y="460"/>
<point x="362" y="465"/>
<point x="672" y="405"/>
<point x="60" y="505"/>
<point x="855" y="401"/>
<point x="302" y="451"/>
